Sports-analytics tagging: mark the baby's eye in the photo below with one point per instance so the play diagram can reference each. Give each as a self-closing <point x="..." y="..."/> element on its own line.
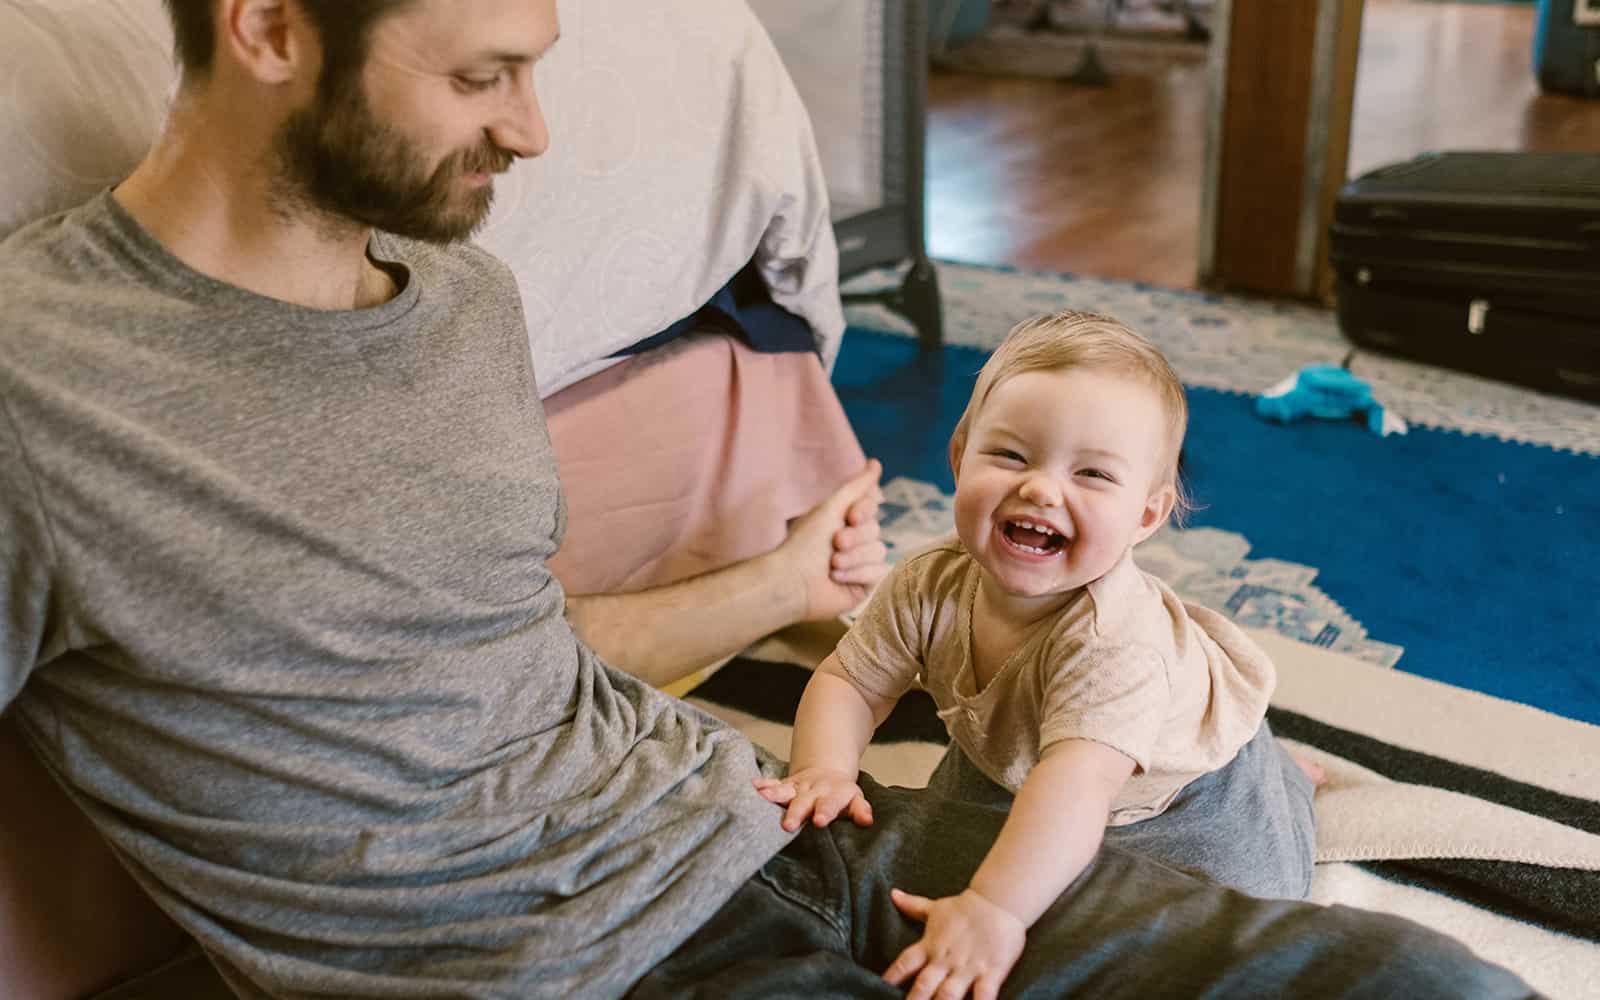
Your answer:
<point x="1005" y="454"/>
<point x="1097" y="474"/>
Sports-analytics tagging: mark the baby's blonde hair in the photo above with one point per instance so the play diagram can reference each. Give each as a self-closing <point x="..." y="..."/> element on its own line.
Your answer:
<point x="1072" y="339"/>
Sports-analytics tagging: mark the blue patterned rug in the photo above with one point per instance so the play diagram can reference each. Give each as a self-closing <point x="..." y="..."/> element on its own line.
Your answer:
<point x="1465" y="551"/>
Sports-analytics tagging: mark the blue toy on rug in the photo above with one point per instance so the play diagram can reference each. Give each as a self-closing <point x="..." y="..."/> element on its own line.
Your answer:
<point x="1330" y="393"/>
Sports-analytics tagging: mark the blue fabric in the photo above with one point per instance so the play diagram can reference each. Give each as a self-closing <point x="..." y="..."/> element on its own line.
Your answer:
<point x="1476" y="555"/>
<point x="743" y="308"/>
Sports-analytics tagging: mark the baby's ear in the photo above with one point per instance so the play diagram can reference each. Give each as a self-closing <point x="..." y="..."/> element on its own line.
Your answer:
<point x="1156" y="511"/>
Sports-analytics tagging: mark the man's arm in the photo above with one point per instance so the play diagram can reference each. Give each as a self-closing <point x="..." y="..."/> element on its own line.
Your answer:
<point x="828" y="563"/>
<point x="25" y="570"/>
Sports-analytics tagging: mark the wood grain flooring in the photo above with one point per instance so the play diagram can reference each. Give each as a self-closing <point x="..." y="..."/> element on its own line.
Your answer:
<point x="1041" y="174"/>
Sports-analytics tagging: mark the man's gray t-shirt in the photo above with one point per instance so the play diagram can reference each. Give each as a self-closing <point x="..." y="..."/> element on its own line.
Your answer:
<point x="276" y="611"/>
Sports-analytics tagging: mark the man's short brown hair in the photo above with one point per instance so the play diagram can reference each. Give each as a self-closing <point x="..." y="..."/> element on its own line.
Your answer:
<point x="344" y="26"/>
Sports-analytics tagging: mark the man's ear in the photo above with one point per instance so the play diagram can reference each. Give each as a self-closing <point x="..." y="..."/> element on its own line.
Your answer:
<point x="1156" y="511"/>
<point x="270" y="40"/>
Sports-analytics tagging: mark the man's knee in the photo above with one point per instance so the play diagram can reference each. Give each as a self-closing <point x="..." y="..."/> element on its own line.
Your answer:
<point x="1369" y="954"/>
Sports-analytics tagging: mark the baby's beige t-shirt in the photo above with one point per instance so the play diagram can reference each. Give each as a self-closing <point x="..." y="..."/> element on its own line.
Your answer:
<point x="1177" y="688"/>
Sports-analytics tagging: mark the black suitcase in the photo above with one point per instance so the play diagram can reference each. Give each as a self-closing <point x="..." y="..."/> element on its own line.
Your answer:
<point x="1485" y="262"/>
<point x="1566" y="47"/>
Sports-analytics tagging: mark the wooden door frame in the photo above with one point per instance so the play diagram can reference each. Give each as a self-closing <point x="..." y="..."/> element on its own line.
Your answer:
<point x="1281" y="81"/>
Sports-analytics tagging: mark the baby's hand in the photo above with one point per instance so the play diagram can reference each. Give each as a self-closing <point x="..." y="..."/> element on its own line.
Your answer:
<point x="969" y="943"/>
<point x="818" y="793"/>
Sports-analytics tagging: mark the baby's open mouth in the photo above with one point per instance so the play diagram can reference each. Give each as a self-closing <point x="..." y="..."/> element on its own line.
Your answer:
<point x="1031" y="536"/>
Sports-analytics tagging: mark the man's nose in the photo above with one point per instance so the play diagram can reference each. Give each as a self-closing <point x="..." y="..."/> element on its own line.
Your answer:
<point x="521" y="128"/>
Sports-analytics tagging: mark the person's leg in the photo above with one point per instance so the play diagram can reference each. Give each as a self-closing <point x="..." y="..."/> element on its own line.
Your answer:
<point x="1132" y="927"/>
<point x="1248" y="825"/>
<point x="956" y="777"/>
<point x="786" y="932"/>
<point x="817" y="922"/>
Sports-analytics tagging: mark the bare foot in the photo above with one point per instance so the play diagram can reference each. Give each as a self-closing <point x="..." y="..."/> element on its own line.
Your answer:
<point x="1313" y="770"/>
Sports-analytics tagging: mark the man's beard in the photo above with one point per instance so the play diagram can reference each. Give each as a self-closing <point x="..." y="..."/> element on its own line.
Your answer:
<point x="337" y="158"/>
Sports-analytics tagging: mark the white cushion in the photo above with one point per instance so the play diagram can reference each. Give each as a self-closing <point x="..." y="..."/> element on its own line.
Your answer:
<point x="84" y="85"/>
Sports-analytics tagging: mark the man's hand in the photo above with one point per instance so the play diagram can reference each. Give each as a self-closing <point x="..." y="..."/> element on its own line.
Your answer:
<point x="834" y="551"/>
<point x="818" y="793"/>
<point x="969" y="944"/>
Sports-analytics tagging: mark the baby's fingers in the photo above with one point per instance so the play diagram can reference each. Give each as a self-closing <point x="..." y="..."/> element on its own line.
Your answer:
<point x="827" y="809"/>
<point x="860" y="810"/>
<point x="936" y="981"/>
<point x="907" y="964"/>
<point x="804" y="805"/>
<point x="846" y="800"/>
<point x="913" y="906"/>
<point x="775" y="790"/>
<point x="987" y="986"/>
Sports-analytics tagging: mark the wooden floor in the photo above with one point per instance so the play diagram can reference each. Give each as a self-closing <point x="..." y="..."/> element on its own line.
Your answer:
<point x="1042" y="174"/>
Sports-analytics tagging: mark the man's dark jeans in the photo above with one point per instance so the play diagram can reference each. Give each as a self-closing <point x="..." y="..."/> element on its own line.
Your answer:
<point x="816" y="921"/>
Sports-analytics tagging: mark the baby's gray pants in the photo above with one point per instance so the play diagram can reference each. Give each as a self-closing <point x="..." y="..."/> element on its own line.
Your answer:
<point x="1248" y="825"/>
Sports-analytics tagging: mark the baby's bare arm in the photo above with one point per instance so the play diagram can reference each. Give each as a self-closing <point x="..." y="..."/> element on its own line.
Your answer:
<point x="835" y="721"/>
<point x="972" y="940"/>
<point x="832" y="727"/>
<point x="1055" y="827"/>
